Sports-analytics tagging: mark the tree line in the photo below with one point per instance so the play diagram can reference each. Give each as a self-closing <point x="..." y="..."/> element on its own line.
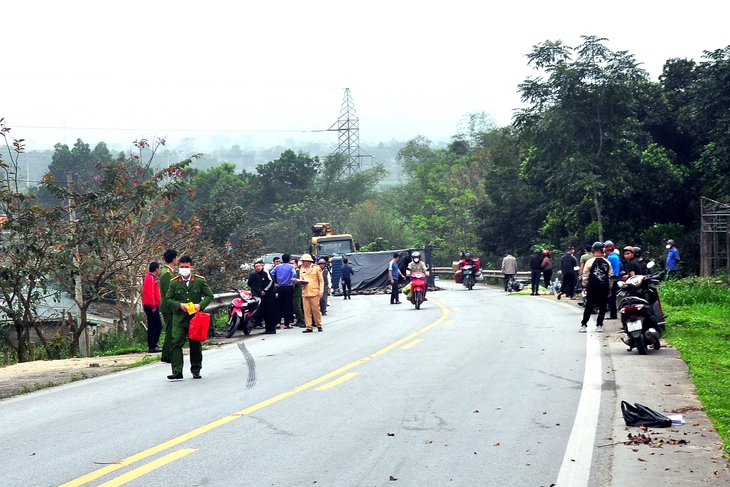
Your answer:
<point x="598" y="152"/>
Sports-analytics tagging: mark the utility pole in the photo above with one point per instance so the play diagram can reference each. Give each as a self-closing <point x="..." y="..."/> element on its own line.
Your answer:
<point x="78" y="293"/>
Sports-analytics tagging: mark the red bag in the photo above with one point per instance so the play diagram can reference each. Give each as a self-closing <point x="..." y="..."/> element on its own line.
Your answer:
<point x="199" y="324"/>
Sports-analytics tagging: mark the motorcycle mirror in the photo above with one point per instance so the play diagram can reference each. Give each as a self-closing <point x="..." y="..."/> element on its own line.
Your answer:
<point x="576" y="268"/>
<point x="620" y="284"/>
<point x="650" y="264"/>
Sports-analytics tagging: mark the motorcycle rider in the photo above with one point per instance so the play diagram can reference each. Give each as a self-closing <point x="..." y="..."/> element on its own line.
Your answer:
<point x="613" y="258"/>
<point x="417" y="265"/>
<point x="467" y="260"/>
<point x="597" y="274"/>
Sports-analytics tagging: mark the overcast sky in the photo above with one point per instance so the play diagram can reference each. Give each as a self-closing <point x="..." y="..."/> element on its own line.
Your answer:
<point x="265" y="71"/>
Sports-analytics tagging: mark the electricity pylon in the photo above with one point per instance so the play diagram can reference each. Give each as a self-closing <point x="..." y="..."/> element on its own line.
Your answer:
<point x="348" y="135"/>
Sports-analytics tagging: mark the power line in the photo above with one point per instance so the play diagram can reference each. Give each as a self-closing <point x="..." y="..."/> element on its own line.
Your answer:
<point x="166" y="130"/>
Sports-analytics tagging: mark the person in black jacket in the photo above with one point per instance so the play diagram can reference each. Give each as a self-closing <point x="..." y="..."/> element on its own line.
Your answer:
<point x="597" y="282"/>
<point x="536" y="271"/>
<point x="261" y="285"/>
<point x="567" y="266"/>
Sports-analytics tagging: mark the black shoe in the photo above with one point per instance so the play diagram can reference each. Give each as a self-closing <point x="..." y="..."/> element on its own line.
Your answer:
<point x="175" y="376"/>
<point x="308" y="330"/>
<point x="165" y="360"/>
<point x="196" y="375"/>
<point x="319" y="328"/>
<point x="300" y="325"/>
<point x="154" y="350"/>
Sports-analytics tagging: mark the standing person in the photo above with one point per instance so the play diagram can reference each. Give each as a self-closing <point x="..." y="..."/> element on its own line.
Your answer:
<point x="327" y="277"/>
<point x="597" y="283"/>
<point x="311" y="277"/>
<point x="298" y="305"/>
<point x="394" y="274"/>
<point x="672" y="265"/>
<point x="509" y="268"/>
<point x="643" y="263"/>
<point x="346" y="278"/>
<point x="284" y="276"/>
<point x="547" y="268"/>
<point x="274" y="298"/>
<point x="261" y="285"/>
<point x="151" y="307"/>
<point x="166" y="308"/>
<point x="587" y="254"/>
<point x="567" y="266"/>
<point x="633" y="268"/>
<point x="613" y="258"/>
<point x="186" y="288"/>
<point x="536" y="271"/>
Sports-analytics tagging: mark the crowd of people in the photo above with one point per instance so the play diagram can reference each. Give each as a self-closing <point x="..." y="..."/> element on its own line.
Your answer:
<point x="600" y="268"/>
<point x="293" y="293"/>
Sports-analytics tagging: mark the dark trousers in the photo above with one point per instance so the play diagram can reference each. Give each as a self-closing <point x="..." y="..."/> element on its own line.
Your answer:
<point x="347" y="288"/>
<point x="535" y="277"/>
<point x="285" y="303"/>
<point x="394" y="298"/>
<point x="595" y="296"/>
<point x="154" y="326"/>
<point x="568" y="286"/>
<point x="507" y="277"/>
<point x="167" y="343"/>
<point x="268" y="312"/>
<point x="547" y="275"/>
<point x="612" y="301"/>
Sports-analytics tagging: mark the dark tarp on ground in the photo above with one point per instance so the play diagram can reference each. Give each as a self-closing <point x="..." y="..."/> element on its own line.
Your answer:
<point x="371" y="268"/>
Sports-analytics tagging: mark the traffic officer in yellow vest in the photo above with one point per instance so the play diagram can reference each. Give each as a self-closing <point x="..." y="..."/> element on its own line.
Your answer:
<point x="186" y="288"/>
<point x="166" y="309"/>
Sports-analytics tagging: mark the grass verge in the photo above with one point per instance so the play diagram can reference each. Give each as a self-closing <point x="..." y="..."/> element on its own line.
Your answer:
<point x="698" y="325"/>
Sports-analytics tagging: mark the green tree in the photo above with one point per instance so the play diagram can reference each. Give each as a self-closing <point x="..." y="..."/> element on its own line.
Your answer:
<point x="98" y="230"/>
<point x="580" y="124"/>
<point x="26" y="255"/>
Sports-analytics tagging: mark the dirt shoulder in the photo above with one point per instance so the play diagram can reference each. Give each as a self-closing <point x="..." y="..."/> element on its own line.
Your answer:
<point x="31" y="376"/>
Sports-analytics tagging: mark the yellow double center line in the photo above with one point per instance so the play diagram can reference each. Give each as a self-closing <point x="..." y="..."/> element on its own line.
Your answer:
<point x="227" y="419"/>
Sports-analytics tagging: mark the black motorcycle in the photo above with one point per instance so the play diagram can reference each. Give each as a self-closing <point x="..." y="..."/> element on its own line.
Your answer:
<point x="641" y="312"/>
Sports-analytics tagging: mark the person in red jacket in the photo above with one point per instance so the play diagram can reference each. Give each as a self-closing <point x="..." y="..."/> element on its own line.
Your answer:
<point x="151" y="306"/>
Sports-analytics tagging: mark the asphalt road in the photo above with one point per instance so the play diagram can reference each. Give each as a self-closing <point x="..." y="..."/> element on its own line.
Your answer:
<point x="478" y="388"/>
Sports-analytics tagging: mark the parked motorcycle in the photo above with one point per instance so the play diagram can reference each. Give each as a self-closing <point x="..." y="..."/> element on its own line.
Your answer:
<point x="242" y="311"/>
<point x="641" y="312"/>
<point x="418" y="288"/>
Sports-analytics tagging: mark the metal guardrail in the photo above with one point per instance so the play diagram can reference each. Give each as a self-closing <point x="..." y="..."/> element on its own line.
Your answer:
<point x="487" y="273"/>
<point x="220" y="300"/>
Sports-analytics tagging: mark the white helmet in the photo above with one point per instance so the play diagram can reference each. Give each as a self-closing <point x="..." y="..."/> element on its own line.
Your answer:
<point x="415" y="254"/>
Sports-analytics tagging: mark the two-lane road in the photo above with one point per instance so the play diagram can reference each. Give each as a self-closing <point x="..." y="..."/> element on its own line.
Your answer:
<point x="476" y="388"/>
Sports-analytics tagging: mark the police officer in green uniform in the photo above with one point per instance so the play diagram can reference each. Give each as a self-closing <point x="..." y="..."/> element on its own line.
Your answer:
<point x="186" y="288"/>
<point x="167" y="309"/>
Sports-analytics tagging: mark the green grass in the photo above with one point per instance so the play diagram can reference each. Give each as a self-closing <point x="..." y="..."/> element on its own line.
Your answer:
<point x="698" y="325"/>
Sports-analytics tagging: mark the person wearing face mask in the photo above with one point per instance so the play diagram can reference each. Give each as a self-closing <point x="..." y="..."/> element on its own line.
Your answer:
<point x="186" y="288"/>
<point x="417" y="265"/>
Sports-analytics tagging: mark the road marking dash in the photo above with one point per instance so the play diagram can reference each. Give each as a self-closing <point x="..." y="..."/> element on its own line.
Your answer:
<point x="145" y="469"/>
<point x="337" y="381"/>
